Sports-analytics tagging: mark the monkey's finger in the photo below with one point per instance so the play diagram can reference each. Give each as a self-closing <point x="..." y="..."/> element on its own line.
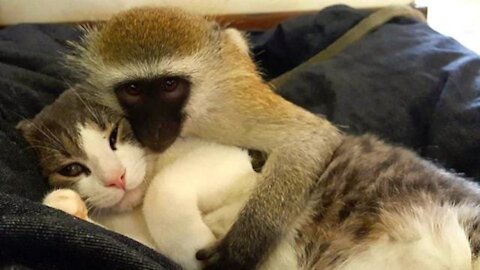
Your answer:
<point x="207" y="252"/>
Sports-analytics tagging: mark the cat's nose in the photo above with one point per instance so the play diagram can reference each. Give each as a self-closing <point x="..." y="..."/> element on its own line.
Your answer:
<point x="117" y="182"/>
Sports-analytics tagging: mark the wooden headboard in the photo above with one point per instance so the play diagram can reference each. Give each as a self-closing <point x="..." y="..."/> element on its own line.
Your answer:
<point x="262" y="21"/>
<point x="242" y="14"/>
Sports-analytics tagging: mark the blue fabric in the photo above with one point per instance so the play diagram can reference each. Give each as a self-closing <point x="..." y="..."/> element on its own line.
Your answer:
<point x="403" y="82"/>
<point x="33" y="236"/>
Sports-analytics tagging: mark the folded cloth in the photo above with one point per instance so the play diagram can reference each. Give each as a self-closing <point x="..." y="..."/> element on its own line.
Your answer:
<point x="403" y="82"/>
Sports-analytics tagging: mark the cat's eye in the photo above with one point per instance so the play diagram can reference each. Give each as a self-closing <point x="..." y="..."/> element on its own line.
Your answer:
<point x="73" y="170"/>
<point x="112" y="139"/>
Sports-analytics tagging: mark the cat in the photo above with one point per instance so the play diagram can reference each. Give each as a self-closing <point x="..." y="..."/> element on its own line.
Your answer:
<point x="176" y="202"/>
<point x="376" y="206"/>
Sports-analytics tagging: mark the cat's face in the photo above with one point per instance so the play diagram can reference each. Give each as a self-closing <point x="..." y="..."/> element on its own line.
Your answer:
<point x="89" y="149"/>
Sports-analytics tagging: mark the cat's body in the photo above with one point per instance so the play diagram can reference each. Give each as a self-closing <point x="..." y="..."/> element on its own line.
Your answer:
<point x="176" y="202"/>
<point x="375" y="207"/>
<point x="383" y="207"/>
<point x="194" y="180"/>
<point x="196" y="190"/>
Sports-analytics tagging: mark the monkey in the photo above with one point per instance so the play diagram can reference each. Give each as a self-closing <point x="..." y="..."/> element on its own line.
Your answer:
<point x="175" y="74"/>
<point x="332" y="200"/>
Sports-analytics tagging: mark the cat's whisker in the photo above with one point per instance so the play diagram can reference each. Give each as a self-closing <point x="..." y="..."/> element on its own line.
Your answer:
<point x="19" y="115"/>
<point x="93" y="210"/>
<point x="97" y="199"/>
<point x="55" y="147"/>
<point x="87" y="105"/>
<point x="39" y="147"/>
<point x="98" y="211"/>
<point x="91" y="205"/>
<point x="50" y="135"/>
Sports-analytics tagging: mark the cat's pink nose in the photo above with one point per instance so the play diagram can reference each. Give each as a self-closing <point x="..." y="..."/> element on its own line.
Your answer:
<point x="117" y="182"/>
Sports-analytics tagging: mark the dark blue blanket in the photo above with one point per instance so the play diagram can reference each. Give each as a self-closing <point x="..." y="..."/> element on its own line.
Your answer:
<point x="403" y="82"/>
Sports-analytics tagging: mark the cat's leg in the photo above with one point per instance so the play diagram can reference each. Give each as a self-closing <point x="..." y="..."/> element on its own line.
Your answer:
<point x="175" y="221"/>
<point x="425" y="236"/>
<point x="68" y="201"/>
<point x="220" y="220"/>
<point x="476" y="264"/>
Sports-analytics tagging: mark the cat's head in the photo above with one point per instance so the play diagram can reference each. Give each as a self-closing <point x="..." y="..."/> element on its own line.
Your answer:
<point x="90" y="149"/>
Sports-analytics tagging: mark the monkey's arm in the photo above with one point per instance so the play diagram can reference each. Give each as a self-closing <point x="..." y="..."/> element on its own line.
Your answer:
<point x="300" y="146"/>
<point x="191" y="78"/>
<point x="275" y="204"/>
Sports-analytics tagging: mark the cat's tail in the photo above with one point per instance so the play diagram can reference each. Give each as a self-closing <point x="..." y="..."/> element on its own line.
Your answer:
<point x="419" y="237"/>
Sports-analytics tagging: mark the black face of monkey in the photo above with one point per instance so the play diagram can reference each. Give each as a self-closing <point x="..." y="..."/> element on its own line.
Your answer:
<point x="154" y="108"/>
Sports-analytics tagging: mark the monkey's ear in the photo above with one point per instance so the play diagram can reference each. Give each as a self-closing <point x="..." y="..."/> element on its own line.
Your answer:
<point x="238" y="38"/>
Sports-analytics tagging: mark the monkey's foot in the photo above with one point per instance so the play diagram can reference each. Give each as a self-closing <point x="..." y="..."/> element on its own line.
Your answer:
<point x="68" y="201"/>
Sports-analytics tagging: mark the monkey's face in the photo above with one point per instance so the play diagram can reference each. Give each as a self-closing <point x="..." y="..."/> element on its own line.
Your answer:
<point x="154" y="106"/>
<point x="164" y="69"/>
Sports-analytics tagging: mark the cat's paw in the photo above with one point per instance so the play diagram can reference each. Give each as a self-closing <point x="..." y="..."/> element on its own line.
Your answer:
<point x="68" y="201"/>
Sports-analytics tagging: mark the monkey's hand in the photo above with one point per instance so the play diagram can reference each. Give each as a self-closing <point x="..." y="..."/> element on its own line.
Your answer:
<point x="239" y="253"/>
<point x="215" y="257"/>
<point x="277" y="201"/>
<point x="228" y="255"/>
<point x="209" y="255"/>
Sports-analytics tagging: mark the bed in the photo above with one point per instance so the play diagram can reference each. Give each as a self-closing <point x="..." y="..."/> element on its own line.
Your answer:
<point x="402" y="81"/>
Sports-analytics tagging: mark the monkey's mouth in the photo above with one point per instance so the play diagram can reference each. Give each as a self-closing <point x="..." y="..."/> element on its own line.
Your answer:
<point x="162" y="136"/>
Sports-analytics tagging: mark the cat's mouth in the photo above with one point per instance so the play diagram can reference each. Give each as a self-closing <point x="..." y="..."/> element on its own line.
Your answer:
<point x="131" y="198"/>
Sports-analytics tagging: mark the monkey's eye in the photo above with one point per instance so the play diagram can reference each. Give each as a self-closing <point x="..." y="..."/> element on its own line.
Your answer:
<point x="131" y="89"/>
<point x="170" y="84"/>
<point x="73" y="170"/>
<point x="112" y="139"/>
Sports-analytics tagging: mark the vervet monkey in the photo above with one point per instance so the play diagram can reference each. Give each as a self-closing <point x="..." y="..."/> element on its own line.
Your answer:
<point x="342" y="202"/>
<point x="177" y="74"/>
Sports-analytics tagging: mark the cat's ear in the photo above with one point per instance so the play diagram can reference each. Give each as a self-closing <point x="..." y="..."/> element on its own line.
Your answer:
<point x="25" y="127"/>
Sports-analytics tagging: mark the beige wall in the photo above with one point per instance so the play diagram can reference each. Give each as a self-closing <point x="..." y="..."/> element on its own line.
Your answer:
<point x="17" y="11"/>
<point x="459" y="19"/>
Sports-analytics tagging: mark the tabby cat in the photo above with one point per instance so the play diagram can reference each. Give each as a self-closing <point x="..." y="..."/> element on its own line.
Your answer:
<point x="376" y="206"/>
<point x="191" y="193"/>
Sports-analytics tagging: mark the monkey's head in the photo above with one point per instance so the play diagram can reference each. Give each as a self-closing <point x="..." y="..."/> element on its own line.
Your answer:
<point x="161" y="68"/>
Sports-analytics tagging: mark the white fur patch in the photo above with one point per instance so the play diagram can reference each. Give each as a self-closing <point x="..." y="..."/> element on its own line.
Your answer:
<point x="105" y="163"/>
<point x="194" y="177"/>
<point x="427" y="238"/>
<point x="102" y="159"/>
